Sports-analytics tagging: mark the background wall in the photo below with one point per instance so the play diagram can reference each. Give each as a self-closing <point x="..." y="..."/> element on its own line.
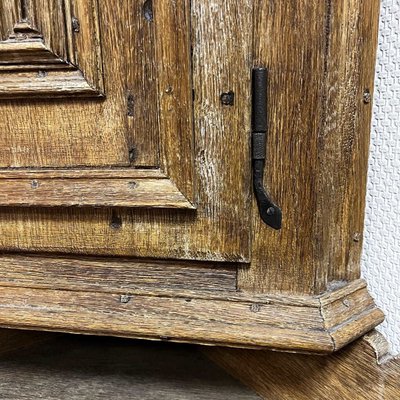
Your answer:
<point x="381" y="258"/>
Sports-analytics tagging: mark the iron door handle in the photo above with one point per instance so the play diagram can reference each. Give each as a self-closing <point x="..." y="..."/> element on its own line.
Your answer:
<point x="270" y="213"/>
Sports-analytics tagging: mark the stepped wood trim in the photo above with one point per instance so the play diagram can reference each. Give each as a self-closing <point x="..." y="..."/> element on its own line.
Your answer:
<point x="90" y="187"/>
<point x="37" y="296"/>
<point x="31" y="66"/>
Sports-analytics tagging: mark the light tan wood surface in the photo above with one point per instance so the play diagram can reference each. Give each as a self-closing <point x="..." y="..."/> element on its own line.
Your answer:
<point x="321" y="60"/>
<point x="61" y="296"/>
<point x="41" y="53"/>
<point x="163" y="78"/>
<point x="118" y="142"/>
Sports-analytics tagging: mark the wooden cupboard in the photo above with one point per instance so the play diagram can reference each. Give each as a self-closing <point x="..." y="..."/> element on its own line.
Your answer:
<point x="126" y="169"/>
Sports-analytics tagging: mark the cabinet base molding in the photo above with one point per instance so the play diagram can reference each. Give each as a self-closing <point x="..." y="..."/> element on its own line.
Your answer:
<point x="56" y="295"/>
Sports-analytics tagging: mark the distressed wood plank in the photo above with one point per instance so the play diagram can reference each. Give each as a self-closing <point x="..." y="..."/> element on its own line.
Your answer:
<point x="289" y="39"/>
<point x="37" y="294"/>
<point x="344" y="139"/>
<point x="157" y="193"/>
<point x="97" y="173"/>
<point x="85" y="47"/>
<point x="178" y="319"/>
<point x="116" y="275"/>
<point x="142" y="93"/>
<point x="173" y="47"/>
<point x="320" y="56"/>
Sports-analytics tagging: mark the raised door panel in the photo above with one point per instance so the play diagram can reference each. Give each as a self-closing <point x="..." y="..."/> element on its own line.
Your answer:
<point x="149" y="162"/>
<point x="43" y="52"/>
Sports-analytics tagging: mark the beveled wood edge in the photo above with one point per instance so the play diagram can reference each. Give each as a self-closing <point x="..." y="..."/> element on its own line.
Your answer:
<point x="36" y="71"/>
<point x="112" y="191"/>
<point x="349" y="312"/>
<point x="55" y="83"/>
<point x="279" y="322"/>
<point x="380" y="346"/>
<point x="69" y="177"/>
<point x="28" y="54"/>
<point x="81" y="173"/>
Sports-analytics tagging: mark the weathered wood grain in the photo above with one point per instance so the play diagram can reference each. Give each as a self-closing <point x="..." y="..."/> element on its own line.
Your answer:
<point x="289" y="39"/>
<point x="63" y="295"/>
<point x="354" y="306"/>
<point x="175" y="107"/>
<point x="40" y="84"/>
<point x="355" y="373"/>
<point x="321" y="57"/>
<point x="177" y="319"/>
<point x="164" y="112"/>
<point x="46" y="17"/>
<point x="80" y="133"/>
<point x="116" y="274"/>
<point x="39" y="37"/>
<point x="156" y="193"/>
<point x="16" y="56"/>
<point x="86" y="173"/>
<point x="344" y="139"/>
<point x="142" y="94"/>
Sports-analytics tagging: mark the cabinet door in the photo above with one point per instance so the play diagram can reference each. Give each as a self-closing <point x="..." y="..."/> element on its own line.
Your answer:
<point x="116" y="134"/>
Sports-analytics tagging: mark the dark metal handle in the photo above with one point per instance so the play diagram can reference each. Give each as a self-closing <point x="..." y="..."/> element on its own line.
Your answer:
<point x="270" y="213"/>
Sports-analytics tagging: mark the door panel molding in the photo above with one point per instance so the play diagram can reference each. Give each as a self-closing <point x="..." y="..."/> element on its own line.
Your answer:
<point x="52" y="49"/>
<point x="193" y="139"/>
<point x="107" y="188"/>
<point x="41" y="58"/>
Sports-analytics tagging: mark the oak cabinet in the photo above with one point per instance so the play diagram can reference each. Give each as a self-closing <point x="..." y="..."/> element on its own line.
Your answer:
<point x="126" y="194"/>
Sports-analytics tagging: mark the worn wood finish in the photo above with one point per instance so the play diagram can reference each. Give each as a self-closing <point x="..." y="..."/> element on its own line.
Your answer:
<point x="116" y="274"/>
<point x="81" y="173"/>
<point x="321" y="58"/>
<point x="140" y="81"/>
<point x="76" y="368"/>
<point x="344" y="139"/>
<point x="159" y="170"/>
<point x="176" y="92"/>
<point x="283" y="260"/>
<point x="363" y="371"/>
<point x="61" y="295"/>
<point x="41" y="35"/>
<point x="353" y="305"/>
<point x="71" y="83"/>
<point x="200" y="165"/>
<point x="119" y="192"/>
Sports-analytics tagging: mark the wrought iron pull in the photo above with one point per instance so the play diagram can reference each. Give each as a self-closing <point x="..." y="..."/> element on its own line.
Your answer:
<point x="270" y="213"/>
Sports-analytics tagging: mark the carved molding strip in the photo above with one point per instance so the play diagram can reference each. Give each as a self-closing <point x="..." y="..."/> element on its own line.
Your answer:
<point x="43" y="63"/>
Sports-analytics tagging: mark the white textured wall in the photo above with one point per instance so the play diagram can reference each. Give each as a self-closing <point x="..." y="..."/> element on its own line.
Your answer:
<point x="381" y="258"/>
